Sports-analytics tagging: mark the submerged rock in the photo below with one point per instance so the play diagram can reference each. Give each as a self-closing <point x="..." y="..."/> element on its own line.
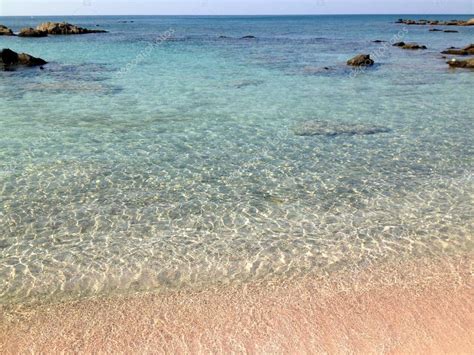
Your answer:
<point x="435" y="30"/>
<point x="331" y="129"/>
<point x="246" y="83"/>
<point x="31" y="32"/>
<point x="468" y="50"/>
<point x="361" y="60"/>
<point x="5" y="31"/>
<point x="248" y="37"/>
<point x="379" y="41"/>
<point x="10" y="60"/>
<point x="64" y="28"/>
<point x="468" y="63"/>
<point x="451" y="31"/>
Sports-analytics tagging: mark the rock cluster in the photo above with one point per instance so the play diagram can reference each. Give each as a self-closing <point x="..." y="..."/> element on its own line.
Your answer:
<point x="9" y="60"/>
<point x="436" y="22"/>
<point x="64" y="28"/>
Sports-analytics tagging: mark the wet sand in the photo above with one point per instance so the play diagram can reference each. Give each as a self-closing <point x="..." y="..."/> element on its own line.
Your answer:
<point x="421" y="306"/>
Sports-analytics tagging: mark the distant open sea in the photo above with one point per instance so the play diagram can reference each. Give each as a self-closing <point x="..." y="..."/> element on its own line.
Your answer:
<point x="171" y="153"/>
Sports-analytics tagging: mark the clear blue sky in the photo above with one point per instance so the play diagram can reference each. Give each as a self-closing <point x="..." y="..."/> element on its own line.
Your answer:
<point x="219" y="7"/>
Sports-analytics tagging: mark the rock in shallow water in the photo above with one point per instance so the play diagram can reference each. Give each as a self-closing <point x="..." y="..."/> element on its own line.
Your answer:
<point x="331" y="129"/>
<point x="409" y="45"/>
<point x="10" y="60"/>
<point x="468" y="50"/>
<point x="468" y="63"/>
<point x="5" y="31"/>
<point x="361" y="60"/>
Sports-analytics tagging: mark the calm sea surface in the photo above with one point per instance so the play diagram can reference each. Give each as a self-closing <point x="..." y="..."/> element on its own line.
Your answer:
<point x="161" y="155"/>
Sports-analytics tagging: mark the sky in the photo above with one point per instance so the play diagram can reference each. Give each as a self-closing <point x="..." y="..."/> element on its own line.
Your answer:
<point x="231" y="7"/>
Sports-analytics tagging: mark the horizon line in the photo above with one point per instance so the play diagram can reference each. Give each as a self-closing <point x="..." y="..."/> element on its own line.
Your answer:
<point x="250" y="15"/>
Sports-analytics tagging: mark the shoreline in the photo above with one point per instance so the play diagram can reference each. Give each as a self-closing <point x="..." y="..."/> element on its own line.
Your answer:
<point x="411" y="306"/>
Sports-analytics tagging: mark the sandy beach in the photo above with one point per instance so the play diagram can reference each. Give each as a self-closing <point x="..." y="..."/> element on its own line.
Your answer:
<point x="420" y="306"/>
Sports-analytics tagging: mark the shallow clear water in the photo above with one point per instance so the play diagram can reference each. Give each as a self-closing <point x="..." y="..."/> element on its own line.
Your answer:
<point x="133" y="163"/>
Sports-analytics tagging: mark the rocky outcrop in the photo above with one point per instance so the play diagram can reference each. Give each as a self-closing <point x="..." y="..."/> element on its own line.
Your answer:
<point x="64" y="28"/>
<point x="468" y="50"/>
<point x="436" y="22"/>
<point x="331" y="129"/>
<point x="31" y="32"/>
<point x="248" y="37"/>
<point x="361" y="60"/>
<point x="5" y="31"/>
<point x="413" y="46"/>
<point x="10" y="60"/>
<point x="468" y="63"/>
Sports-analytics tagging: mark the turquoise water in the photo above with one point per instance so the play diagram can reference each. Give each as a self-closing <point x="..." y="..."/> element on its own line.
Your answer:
<point x="160" y="155"/>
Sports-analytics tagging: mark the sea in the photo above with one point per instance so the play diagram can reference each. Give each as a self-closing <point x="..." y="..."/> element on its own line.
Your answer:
<point x="183" y="152"/>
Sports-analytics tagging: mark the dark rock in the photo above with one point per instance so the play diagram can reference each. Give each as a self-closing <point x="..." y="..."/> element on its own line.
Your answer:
<point x="331" y="129"/>
<point x="248" y="37"/>
<point x="361" y="60"/>
<point x="378" y="41"/>
<point x="435" y="30"/>
<point x="5" y="31"/>
<point x="451" y="31"/>
<point x="64" y="28"/>
<point x="30" y="32"/>
<point x="468" y="63"/>
<point x="9" y="60"/>
<point x="413" y="46"/>
<point x="408" y="45"/>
